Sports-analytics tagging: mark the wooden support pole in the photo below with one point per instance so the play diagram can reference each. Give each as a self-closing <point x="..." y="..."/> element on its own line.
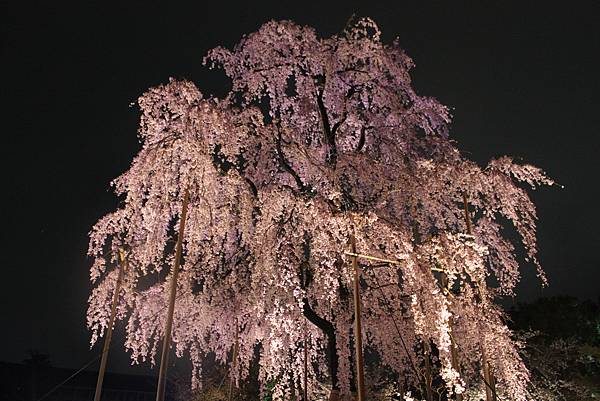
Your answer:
<point x="453" y="350"/>
<point x="360" y="375"/>
<point x="428" y="373"/>
<point x="305" y="384"/>
<point x="111" y="321"/>
<point x="492" y="383"/>
<point x="489" y="395"/>
<point x="234" y="357"/>
<point x="467" y="216"/>
<point x="164" y="357"/>
<point x="455" y="362"/>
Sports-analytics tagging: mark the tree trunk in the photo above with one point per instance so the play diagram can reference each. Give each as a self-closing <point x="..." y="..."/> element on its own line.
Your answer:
<point x="332" y="355"/>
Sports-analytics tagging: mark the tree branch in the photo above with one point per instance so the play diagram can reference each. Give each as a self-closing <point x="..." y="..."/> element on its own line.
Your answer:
<point x="286" y="166"/>
<point x="329" y="133"/>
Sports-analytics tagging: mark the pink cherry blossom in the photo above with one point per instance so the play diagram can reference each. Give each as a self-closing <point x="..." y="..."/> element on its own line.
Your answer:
<point x="319" y="139"/>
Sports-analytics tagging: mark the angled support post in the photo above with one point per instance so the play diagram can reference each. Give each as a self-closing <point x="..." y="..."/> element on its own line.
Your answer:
<point x="164" y="357"/>
<point x="111" y="322"/>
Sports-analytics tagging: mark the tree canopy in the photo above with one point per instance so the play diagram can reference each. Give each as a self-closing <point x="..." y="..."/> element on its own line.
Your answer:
<point x="319" y="140"/>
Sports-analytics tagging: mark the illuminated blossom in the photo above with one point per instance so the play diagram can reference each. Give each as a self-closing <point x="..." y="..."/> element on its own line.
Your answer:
<point x="318" y="140"/>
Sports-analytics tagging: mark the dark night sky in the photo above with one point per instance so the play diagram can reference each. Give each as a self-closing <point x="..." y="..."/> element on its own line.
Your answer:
<point x="522" y="80"/>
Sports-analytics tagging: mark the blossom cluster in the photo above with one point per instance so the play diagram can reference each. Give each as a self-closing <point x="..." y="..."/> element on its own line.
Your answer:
<point x="320" y="140"/>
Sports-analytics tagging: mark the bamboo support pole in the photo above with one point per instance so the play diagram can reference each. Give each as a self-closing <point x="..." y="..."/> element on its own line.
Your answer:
<point x="360" y="255"/>
<point x="360" y="378"/>
<point x="164" y="357"/>
<point x="109" y="329"/>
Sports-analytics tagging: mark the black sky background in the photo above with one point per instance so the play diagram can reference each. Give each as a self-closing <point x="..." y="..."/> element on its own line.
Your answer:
<point x="522" y="80"/>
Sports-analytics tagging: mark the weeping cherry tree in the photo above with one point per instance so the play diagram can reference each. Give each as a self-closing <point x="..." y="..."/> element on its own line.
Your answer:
<point x="319" y="140"/>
